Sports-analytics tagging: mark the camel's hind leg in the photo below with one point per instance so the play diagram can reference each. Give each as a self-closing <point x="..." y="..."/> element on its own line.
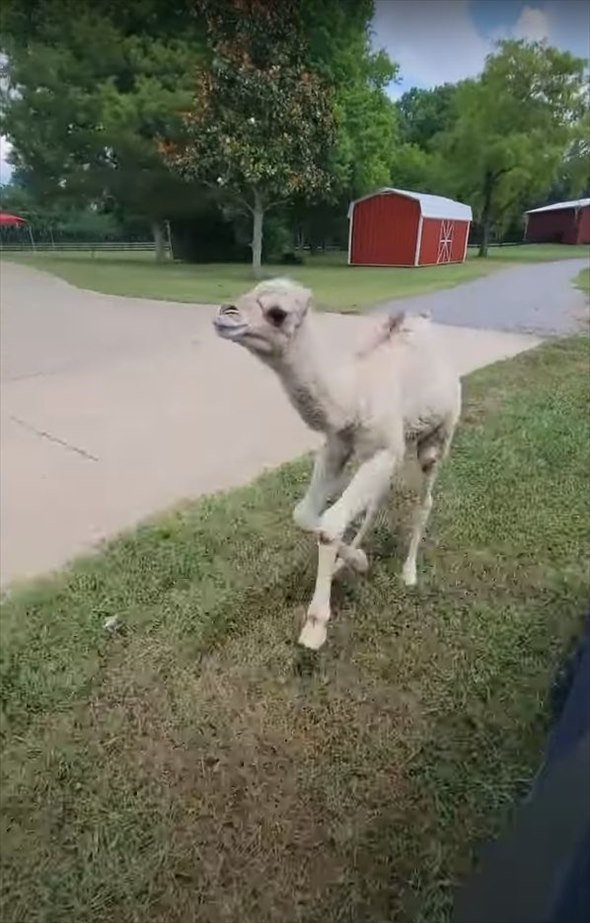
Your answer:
<point x="431" y="452"/>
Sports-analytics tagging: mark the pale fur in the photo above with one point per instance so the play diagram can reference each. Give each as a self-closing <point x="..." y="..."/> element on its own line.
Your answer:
<point x="396" y="393"/>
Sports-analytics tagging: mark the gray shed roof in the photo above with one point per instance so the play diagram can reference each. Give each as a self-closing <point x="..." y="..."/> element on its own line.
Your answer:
<point x="558" y="206"/>
<point x="431" y="206"/>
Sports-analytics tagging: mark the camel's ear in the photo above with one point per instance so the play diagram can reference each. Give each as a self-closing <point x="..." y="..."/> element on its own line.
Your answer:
<point x="297" y="302"/>
<point x="305" y="301"/>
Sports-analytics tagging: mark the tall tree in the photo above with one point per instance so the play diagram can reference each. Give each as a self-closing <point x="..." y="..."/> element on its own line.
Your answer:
<point x="339" y="48"/>
<point x="423" y="114"/>
<point x="261" y="124"/>
<point x="514" y="127"/>
<point x="88" y="90"/>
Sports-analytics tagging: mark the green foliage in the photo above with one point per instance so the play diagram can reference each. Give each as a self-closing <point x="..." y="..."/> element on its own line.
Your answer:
<point x="88" y="90"/>
<point x="575" y="175"/>
<point x="340" y="50"/>
<point x="423" y="114"/>
<point x="59" y="219"/>
<point x="513" y="128"/>
<point x="261" y="122"/>
<point x="412" y="167"/>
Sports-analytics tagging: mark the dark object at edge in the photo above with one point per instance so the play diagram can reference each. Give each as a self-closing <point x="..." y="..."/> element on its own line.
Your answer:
<point x="540" y="871"/>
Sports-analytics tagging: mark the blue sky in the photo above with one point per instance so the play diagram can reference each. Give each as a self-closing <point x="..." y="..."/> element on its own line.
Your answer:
<point x="434" y="41"/>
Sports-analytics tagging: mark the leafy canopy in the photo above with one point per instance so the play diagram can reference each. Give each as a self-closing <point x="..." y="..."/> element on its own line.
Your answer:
<point x="514" y="126"/>
<point x="88" y="90"/>
<point x="260" y="124"/>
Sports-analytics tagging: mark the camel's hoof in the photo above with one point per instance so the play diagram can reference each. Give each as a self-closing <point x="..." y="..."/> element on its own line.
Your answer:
<point x="409" y="575"/>
<point x="313" y="634"/>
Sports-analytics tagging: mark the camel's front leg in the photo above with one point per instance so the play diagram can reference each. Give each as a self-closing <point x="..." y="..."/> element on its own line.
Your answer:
<point x="366" y="489"/>
<point x="326" y="480"/>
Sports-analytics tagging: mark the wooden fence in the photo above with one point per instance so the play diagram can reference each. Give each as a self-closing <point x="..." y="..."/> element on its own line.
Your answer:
<point x="82" y="246"/>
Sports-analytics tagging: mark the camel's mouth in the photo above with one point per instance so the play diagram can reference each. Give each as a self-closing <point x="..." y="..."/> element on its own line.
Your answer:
<point x="231" y="331"/>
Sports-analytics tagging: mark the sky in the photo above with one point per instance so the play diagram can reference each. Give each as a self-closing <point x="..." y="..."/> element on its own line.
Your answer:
<point x="438" y="41"/>
<point x="435" y="41"/>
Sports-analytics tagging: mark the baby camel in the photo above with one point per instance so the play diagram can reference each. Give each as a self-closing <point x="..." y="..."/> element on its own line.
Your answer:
<point x="396" y="394"/>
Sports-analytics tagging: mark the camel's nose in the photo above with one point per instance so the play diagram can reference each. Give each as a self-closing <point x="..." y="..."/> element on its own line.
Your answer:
<point x="228" y="310"/>
<point x="228" y="321"/>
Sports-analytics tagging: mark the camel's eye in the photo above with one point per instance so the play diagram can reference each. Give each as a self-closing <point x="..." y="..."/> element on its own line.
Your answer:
<point x="276" y="316"/>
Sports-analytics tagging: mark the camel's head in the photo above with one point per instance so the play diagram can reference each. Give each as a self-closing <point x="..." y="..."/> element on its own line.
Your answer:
<point x="267" y="319"/>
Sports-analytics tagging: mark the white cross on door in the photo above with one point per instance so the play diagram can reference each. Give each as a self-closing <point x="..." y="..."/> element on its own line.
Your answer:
<point x="445" y="243"/>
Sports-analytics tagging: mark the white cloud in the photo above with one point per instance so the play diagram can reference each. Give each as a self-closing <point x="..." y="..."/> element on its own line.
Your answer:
<point x="435" y="41"/>
<point x="432" y="41"/>
<point x="533" y="25"/>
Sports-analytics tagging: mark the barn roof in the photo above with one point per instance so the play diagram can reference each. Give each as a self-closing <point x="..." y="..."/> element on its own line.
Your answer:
<point x="558" y="206"/>
<point x="431" y="206"/>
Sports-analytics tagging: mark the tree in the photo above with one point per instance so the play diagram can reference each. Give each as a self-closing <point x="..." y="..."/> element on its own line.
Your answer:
<point x="513" y="129"/>
<point x="261" y="122"/>
<point x="574" y="174"/>
<point x="89" y="89"/>
<point x="339" y="48"/>
<point x="423" y="114"/>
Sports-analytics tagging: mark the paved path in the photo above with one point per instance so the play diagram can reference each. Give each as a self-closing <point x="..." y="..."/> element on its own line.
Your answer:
<point x="114" y="408"/>
<point x="534" y="298"/>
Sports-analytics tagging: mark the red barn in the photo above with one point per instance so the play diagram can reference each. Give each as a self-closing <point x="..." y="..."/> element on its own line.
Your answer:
<point x="562" y="223"/>
<point x="394" y="227"/>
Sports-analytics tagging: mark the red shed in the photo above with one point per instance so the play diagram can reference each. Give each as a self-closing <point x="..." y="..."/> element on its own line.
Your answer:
<point x="562" y="223"/>
<point x="394" y="227"/>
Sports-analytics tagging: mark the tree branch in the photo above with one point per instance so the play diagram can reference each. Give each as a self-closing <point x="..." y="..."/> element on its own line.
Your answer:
<point x="501" y="172"/>
<point x="244" y="204"/>
<point x="230" y="197"/>
<point x="276" y="203"/>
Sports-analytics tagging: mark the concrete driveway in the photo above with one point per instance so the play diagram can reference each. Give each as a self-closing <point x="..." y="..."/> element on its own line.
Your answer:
<point x="114" y="408"/>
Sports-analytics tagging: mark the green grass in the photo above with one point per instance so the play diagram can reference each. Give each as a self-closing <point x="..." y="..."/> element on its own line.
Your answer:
<point x="336" y="286"/>
<point x="195" y="766"/>
<point x="582" y="281"/>
<point x="535" y="253"/>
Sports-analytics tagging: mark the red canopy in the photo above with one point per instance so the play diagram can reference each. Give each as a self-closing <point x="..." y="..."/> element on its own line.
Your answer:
<point x="8" y="219"/>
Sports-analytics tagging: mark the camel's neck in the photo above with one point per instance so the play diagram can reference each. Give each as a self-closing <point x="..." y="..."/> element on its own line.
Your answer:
<point x="313" y="389"/>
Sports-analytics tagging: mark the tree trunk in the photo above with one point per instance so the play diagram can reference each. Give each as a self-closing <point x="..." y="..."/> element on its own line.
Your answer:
<point x="257" y="223"/>
<point x="486" y="215"/>
<point x="159" y="241"/>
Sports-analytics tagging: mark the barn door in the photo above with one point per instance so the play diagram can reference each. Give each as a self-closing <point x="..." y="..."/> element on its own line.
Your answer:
<point x="445" y="243"/>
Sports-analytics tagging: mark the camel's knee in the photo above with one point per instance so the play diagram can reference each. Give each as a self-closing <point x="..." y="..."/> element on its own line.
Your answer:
<point x="331" y="525"/>
<point x="434" y="448"/>
<point x="429" y="457"/>
<point x="305" y="517"/>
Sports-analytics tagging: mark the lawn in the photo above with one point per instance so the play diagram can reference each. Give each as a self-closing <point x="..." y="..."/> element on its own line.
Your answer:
<point x="582" y="281"/>
<point x="336" y="285"/>
<point x="195" y="766"/>
<point x="535" y="253"/>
